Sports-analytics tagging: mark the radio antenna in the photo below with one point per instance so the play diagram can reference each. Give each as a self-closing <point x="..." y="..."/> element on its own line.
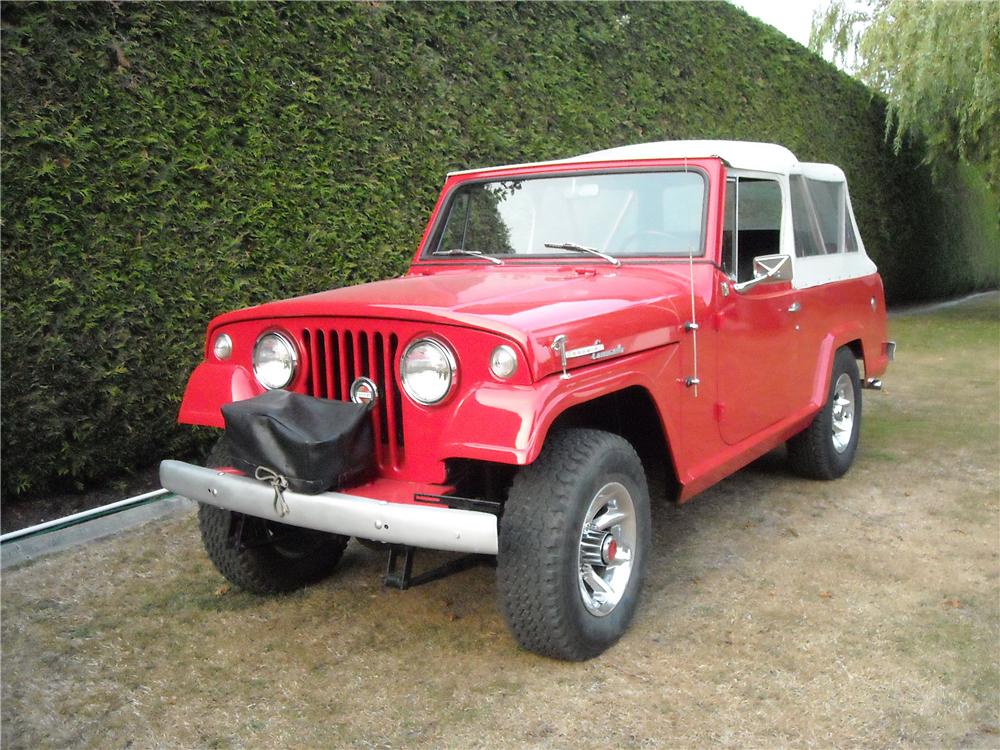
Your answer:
<point x="692" y="325"/>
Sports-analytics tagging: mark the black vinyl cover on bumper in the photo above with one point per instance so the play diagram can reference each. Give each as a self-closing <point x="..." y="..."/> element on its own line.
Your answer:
<point x="315" y="444"/>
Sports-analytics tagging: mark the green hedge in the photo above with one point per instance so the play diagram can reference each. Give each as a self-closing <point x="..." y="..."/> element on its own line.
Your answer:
<point x="164" y="163"/>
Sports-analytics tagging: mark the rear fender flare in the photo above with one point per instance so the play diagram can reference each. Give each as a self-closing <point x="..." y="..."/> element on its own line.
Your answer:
<point x="840" y="336"/>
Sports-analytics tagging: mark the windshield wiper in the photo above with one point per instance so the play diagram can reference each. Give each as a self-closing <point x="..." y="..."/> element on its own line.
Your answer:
<point x="584" y="249"/>
<point x="473" y="253"/>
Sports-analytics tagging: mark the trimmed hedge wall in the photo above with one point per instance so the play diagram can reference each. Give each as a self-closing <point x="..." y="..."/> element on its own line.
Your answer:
<point x="164" y="163"/>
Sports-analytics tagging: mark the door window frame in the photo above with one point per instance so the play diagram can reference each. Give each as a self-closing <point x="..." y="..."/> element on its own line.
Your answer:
<point x="785" y="238"/>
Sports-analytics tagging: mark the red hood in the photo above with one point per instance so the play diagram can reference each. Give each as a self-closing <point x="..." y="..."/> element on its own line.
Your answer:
<point x="629" y="305"/>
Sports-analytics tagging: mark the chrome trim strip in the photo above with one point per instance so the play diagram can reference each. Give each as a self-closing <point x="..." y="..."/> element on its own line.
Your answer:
<point x="393" y="523"/>
<point x="585" y="351"/>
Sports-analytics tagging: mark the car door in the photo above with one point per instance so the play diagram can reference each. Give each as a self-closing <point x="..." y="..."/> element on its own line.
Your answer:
<point x="758" y="327"/>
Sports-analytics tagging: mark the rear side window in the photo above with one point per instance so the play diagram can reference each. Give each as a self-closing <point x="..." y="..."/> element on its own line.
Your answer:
<point x="820" y="217"/>
<point x="850" y="236"/>
<point x="807" y="237"/>
<point x="827" y="198"/>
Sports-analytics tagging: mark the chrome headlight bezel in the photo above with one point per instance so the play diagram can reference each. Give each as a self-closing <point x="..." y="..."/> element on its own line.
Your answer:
<point x="450" y="368"/>
<point x="292" y="359"/>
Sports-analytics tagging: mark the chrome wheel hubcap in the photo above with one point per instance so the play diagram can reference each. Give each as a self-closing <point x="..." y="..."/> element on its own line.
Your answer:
<point x="843" y="412"/>
<point x="607" y="549"/>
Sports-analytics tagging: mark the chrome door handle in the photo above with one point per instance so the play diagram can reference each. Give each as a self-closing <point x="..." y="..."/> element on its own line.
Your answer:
<point x="794" y="307"/>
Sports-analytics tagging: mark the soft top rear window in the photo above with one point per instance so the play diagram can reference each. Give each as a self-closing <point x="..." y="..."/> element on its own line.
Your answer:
<point x="821" y="217"/>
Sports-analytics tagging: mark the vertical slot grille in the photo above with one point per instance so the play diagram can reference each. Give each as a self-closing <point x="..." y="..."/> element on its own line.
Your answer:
<point x="337" y="357"/>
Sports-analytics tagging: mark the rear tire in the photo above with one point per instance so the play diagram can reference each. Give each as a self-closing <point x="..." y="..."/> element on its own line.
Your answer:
<point x="574" y="538"/>
<point x="261" y="556"/>
<point x="826" y="448"/>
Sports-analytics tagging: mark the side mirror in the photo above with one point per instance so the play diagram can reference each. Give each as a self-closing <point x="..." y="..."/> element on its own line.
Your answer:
<point x="768" y="269"/>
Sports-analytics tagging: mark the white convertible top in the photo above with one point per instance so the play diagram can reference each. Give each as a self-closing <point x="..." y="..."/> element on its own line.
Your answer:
<point x="765" y="157"/>
<point x="817" y="264"/>
<point x="749" y="155"/>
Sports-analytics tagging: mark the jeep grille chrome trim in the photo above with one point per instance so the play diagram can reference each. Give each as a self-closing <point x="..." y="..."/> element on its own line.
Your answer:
<point x="337" y="356"/>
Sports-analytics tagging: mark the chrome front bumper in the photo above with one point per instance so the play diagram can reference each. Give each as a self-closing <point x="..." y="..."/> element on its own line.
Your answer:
<point x="393" y="523"/>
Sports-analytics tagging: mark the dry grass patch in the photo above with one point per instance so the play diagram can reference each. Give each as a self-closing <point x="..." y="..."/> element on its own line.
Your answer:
<point x="777" y="612"/>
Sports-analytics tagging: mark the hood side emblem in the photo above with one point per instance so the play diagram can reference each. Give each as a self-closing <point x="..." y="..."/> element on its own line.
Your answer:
<point x="584" y="351"/>
<point x="595" y="351"/>
<point x="617" y="349"/>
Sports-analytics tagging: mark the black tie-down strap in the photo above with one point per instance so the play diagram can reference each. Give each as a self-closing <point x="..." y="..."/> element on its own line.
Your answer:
<point x="404" y="579"/>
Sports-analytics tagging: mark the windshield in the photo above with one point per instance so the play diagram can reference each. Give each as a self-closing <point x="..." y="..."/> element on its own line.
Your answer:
<point x="621" y="214"/>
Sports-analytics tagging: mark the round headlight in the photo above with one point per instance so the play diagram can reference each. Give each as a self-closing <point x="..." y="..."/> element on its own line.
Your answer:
<point x="274" y="360"/>
<point x="428" y="371"/>
<point x="223" y="346"/>
<point x="503" y="361"/>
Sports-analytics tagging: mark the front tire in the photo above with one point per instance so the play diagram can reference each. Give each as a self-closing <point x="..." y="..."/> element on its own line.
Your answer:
<point x="574" y="538"/>
<point x="261" y="556"/>
<point x="266" y="557"/>
<point x="826" y="448"/>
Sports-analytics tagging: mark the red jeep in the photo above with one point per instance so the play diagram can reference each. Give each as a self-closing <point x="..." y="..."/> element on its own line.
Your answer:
<point x="566" y="330"/>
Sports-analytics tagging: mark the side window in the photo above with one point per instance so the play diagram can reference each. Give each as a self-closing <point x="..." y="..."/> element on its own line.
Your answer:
<point x="850" y="237"/>
<point x="819" y="214"/>
<point x="828" y="199"/>
<point x="807" y="238"/>
<point x="752" y="224"/>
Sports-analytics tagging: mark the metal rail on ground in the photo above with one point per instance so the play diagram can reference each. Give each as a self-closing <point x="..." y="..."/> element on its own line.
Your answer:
<point x="86" y="515"/>
<point x="26" y="545"/>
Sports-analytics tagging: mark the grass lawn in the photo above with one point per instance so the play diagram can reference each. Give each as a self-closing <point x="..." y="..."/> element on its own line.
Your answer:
<point x="777" y="612"/>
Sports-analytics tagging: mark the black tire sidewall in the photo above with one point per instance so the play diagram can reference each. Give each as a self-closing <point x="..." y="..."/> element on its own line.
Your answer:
<point x="597" y="633"/>
<point x="840" y="462"/>
<point x="538" y="561"/>
<point x="264" y="569"/>
<point x="811" y="452"/>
